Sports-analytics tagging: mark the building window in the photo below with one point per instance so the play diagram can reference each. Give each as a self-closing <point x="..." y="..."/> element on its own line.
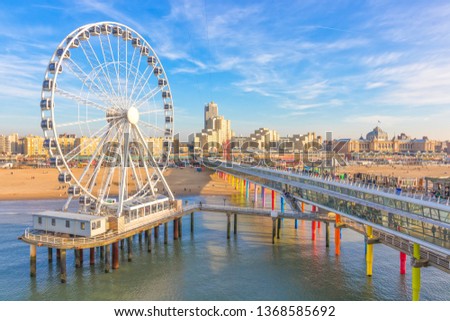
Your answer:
<point x="53" y="222"/>
<point x="68" y="224"/>
<point x="83" y="225"/>
<point x="39" y="220"/>
<point x="98" y="224"/>
<point x="93" y="225"/>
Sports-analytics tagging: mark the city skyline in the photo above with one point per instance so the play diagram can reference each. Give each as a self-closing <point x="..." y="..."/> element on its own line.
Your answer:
<point x="294" y="68"/>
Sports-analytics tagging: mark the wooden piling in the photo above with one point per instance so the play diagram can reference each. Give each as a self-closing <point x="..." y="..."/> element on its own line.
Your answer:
<point x="32" y="260"/>
<point x="327" y="234"/>
<point x="122" y="244"/>
<point x="278" y="228"/>
<point x="192" y="222"/>
<point x="140" y="238"/>
<point x="166" y="233"/>
<point x="77" y="258"/>
<point x="228" y="226"/>
<point x="62" y="263"/>
<point x="235" y="224"/>
<point x="81" y="257"/>
<point x="92" y="256"/>
<point x="156" y="232"/>
<point x="180" y="227"/>
<point x="274" y="229"/>
<point x="149" y="241"/>
<point x="115" y="256"/>
<point x="175" y="229"/>
<point x="107" y="258"/>
<point x="58" y="255"/>
<point x="102" y="252"/>
<point x="130" y="248"/>
<point x="50" y="255"/>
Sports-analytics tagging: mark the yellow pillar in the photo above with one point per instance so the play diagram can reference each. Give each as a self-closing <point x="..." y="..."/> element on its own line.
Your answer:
<point x="416" y="275"/>
<point x="369" y="252"/>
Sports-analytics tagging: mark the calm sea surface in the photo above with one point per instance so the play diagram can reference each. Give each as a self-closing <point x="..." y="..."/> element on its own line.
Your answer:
<point x="207" y="266"/>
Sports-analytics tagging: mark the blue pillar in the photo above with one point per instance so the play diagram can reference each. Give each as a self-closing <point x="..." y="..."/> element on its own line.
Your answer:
<point x="247" y="189"/>
<point x="296" y="223"/>
<point x="282" y="204"/>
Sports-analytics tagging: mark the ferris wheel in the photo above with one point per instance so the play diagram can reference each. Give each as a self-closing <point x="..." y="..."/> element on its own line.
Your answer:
<point x="107" y="116"/>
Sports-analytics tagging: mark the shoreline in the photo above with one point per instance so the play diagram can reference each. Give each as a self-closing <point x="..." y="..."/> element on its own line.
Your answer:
<point x="42" y="183"/>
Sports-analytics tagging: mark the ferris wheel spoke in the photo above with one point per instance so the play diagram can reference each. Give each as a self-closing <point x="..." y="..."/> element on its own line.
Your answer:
<point x="99" y="148"/>
<point x="133" y="88"/>
<point x="79" y="99"/>
<point x="154" y="164"/>
<point x="136" y="86"/>
<point x="93" y="68"/>
<point x="75" y="152"/>
<point x="144" y="161"/>
<point x="114" y="64"/>
<point x="102" y="67"/>
<point x="151" y="126"/>
<point x="152" y="111"/>
<point x="148" y="96"/>
<point x="89" y="121"/>
<point x="85" y="79"/>
<point x="145" y="83"/>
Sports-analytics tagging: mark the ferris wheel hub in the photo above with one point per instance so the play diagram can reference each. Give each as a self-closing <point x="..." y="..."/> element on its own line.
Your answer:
<point x="133" y="115"/>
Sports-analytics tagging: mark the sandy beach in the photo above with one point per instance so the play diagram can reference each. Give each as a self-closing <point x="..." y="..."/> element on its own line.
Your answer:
<point x="42" y="183"/>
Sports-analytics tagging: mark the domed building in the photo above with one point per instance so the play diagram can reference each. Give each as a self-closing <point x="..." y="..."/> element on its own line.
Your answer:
<point x="377" y="134"/>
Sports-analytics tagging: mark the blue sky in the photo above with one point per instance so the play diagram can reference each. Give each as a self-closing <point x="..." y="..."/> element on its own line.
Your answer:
<point x="294" y="66"/>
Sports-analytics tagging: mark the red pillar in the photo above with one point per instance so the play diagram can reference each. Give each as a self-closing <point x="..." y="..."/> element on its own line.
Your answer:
<point x="313" y="209"/>
<point x="273" y="200"/>
<point x="318" y="224"/>
<point x="402" y="263"/>
<point x="313" y="230"/>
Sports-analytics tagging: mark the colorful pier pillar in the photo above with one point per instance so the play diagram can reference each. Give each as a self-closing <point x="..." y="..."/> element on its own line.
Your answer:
<point x="313" y="230"/>
<point x="247" y="190"/>
<point x="282" y="204"/>
<point x="337" y="236"/>
<point x="402" y="263"/>
<point x="416" y="274"/>
<point x="32" y="260"/>
<point x="303" y="207"/>
<point x="369" y="253"/>
<point x="255" y="194"/>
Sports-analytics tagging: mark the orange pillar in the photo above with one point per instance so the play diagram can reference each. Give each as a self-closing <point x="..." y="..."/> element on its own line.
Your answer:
<point x="337" y="236"/>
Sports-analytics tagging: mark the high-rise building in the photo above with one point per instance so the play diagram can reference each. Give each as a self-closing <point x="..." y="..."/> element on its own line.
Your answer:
<point x="217" y="132"/>
<point x="211" y="111"/>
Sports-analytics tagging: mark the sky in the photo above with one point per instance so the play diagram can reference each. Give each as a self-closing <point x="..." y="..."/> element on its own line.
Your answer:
<point x="292" y="66"/>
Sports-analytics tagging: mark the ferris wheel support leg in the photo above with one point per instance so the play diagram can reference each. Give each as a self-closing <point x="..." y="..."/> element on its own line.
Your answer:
<point x="66" y="205"/>
<point x="157" y="169"/>
<point x="123" y="180"/>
